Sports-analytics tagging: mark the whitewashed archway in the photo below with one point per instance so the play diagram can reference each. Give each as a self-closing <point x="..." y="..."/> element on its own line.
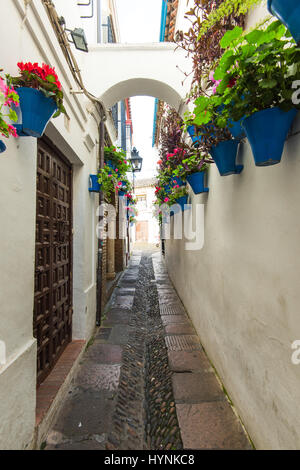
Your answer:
<point x="114" y="72"/>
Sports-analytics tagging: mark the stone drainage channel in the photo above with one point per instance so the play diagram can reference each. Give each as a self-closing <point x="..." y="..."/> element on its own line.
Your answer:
<point x="145" y="416"/>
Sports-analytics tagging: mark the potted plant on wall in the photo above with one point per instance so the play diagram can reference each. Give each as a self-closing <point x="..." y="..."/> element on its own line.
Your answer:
<point x="8" y="97"/>
<point x="112" y="176"/>
<point x="40" y="95"/>
<point x="214" y="136"/>
<point x="193" y="170"/>
<point x="264" y="65"/>
<point x="288" y="12"/>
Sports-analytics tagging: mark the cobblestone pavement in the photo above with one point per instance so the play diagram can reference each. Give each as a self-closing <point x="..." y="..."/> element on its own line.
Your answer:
<point x="145" y="381"/>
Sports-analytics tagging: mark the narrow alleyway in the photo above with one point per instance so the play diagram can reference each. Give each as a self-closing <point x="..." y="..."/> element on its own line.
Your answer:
<point x="145" y="381"/>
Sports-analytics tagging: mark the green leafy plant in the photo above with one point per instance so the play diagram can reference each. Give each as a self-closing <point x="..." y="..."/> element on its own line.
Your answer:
<point x="108" y="180"/>
<point x="263" y="65"/>
<point x="43" y="79"/>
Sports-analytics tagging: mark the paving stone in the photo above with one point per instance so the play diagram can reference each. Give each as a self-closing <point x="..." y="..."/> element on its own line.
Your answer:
<point x="169" y="319"/>
<point x="103" y="333"/>
<point x="183" y="343"/>
<point x="105" y="353"/>
<point x="189" y="361"/>
<point x="179" y="329"/>
<point x="171" y="309"/>
<point x="196" y="388"/>
<point x="123" y="301"/>
<point x="125" y="291"/>
<point x="211" y="426"/>
<point x="85" y="413"/>
<point x="119" y="335"/>
<point x="99" y="377"/>
<point x="117" y="316"/>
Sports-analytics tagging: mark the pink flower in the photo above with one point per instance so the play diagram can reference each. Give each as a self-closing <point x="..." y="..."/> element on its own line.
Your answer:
<point x="116" y="170"/>
<point x="166" y="199"/>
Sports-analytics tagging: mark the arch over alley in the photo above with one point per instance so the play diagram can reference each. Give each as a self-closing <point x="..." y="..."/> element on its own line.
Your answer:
<point x="114" y="72"/>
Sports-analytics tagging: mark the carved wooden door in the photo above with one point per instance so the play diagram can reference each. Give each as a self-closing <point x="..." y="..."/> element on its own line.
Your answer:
<point x="52" y="322"/>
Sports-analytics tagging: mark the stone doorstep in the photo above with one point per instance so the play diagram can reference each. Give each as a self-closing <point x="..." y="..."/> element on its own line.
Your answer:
<point x="52" y="392"/>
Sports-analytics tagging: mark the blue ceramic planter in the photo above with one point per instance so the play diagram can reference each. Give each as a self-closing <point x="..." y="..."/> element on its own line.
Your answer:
<point x="2" y="146"/>
<point x="167" y="188"/>
<point x="182" y="202"/>
<point x="178" y="180"/>
<point x="111" y="164"/>
<point x="122" y="193"/>
<point x="95" y="187"/>
<point x="267" y="131"/>
<point x="224" y="155"/>
<point x="236" y="129"/>
<point x="196" y="181"/>
<point x="195" y="138"/>
<point x="36" y="109"/>
<point x="288" y="12"/>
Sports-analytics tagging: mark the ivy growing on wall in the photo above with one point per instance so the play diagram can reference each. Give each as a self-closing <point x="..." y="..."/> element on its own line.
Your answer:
<point x="226" y="9"/>
<point x="207" y="51"/>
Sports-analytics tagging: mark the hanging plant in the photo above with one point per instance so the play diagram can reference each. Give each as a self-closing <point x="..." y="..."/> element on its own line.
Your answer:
<point x="264" y="65"/>
<point x="8" y="98"/>
<point x="40" y="95"/>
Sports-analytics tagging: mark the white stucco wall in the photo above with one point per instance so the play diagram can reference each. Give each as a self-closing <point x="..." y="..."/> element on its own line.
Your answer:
<point x="34" y="41"/>
<point x="242" y="289"/>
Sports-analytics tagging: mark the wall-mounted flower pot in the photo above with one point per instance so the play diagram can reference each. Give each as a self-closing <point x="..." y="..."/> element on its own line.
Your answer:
<point x="176" y="180"/>
<point x="37" y="111"/>
<point x="182" y="202"/>
<point x="2" y="146"/>
<point x="195" y="138"/>
<point x="224" y="155"/>
<point x="168" y="188"/>
<point x="196" y="181"/>
<point x="288" y="12"/>
<point x="110" y="164"/>
<point x="236" y="129"/>
<point x="267" y="131"/>
<point x="95" y="187"/>
<point x="122" y="193"/>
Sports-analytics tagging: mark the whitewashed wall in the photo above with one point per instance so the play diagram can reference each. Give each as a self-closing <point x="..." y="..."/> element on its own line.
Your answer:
<point x="33" y="40"/>
<point x="242" y="289"/>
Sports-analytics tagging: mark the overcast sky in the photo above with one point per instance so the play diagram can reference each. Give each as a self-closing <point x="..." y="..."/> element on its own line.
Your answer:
<point x="140" y="22"/>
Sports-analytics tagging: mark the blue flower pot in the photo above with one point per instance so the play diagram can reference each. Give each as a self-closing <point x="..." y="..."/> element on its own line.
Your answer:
<point x="110" y="164"/>
<point x="122" y="193"/>
<point x="267" y="131"/>
<point x="2" y="146"/>
<point x="288" y="12"/>
<point x="236" y="129"/>
<point x="37" y="111"/>
<point x="182" y="202"/>
<point x="195" y="138"/>
<point x="95" y="187"/>
<point x="224" y="155"/>
<point x="178" y="180"/>
<point x="167" y="188"/>
<point x="196" y="181"/>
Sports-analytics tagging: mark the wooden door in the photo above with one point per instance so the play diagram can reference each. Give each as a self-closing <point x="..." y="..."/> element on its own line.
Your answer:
<point x="52" y="323"/>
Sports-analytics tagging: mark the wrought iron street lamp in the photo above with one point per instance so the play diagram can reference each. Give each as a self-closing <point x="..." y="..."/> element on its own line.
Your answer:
<point x="136" y="161"/>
